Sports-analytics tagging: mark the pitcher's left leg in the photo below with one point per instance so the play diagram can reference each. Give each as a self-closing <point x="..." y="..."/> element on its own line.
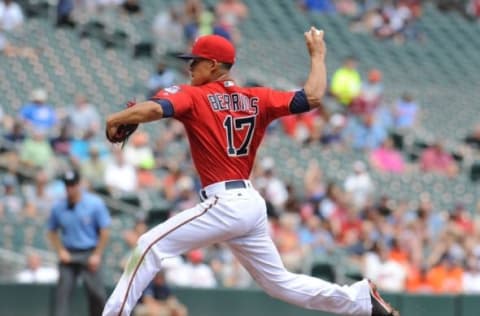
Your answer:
<point x="180" y="233"/>
<point x="209" y="222"/>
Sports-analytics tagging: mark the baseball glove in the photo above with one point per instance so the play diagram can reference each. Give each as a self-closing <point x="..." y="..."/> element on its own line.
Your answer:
<point x="123" y="131"/>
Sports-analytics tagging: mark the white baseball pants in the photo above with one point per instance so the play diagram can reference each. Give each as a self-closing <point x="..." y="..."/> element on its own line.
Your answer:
<point x="238" y="218"/>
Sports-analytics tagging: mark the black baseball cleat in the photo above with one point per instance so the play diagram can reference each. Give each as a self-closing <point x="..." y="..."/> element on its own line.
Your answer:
<point x="379" y="306"/>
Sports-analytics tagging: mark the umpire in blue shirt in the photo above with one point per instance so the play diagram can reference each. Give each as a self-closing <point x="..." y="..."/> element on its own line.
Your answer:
<point x="78" y="229"/>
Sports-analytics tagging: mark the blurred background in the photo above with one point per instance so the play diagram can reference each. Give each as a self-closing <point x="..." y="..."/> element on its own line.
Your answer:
<point x="383" y="183"/>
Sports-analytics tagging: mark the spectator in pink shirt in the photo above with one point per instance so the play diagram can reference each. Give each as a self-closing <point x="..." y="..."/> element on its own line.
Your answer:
<point x="387" y="159"/>
<point x="436" y="159"/>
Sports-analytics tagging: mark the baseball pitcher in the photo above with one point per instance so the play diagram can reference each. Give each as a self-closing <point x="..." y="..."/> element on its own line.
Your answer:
<point x="225" y="125"/>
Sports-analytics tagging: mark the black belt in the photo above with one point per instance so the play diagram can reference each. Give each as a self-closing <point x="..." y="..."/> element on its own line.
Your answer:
<point x="80" y="249"/>
<point x="229" y="185"/>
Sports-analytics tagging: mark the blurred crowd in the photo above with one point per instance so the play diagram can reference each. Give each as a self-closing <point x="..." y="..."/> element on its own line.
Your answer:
<point x="172" y="30"/>
<point x="182" y="24"/>
<point x="409" y="246"/>
<point x="385" y="19"/>
<point x="389" y="19"/>
<point x="357" y="117"/>
<point x="175" y="28"/>
<point x="356" y="8"/>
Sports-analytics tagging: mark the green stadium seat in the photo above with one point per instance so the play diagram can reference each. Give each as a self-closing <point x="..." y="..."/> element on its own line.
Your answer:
<point x="324" y="271"/>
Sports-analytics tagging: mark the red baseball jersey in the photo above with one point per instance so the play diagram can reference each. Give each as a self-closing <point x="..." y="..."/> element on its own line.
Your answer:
<point x="225" y="124"/>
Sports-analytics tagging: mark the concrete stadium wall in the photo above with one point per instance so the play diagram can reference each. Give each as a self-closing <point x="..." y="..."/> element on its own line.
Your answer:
<point x="36" y="300"/>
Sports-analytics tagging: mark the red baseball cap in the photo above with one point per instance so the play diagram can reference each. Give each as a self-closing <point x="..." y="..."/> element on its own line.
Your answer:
<point x="212" y="47"/>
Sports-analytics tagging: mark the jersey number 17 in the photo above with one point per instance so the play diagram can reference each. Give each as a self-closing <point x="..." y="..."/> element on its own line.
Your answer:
<point x="232" y="125"/>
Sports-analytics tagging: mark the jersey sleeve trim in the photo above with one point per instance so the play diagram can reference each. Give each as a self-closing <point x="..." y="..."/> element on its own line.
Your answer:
<point x="166" y="105"/>
<point x="299" y="103"/>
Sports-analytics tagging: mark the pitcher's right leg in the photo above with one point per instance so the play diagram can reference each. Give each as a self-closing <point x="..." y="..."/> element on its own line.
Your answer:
<point x="259" y="256"/>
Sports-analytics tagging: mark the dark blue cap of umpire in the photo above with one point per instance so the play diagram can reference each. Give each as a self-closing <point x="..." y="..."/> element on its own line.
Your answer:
<point x="71" y="177"/>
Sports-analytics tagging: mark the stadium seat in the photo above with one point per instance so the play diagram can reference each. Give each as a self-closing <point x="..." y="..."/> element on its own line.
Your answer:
<point x="324" y="271"/>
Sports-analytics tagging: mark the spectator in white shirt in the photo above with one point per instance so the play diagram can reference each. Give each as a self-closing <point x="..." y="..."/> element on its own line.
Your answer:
<point x="471" y="276"/>
<point x="11" y="19"/>
<point x="193" y="273"/>
<point x="11" y="15"/>
<point x="201" y="275"/>
<point x="388" y="274"/>
<point x="120" y="177"/>
<point x="359" y="185"/>
<point x="36" y="273"/>
<point x="274" y="189"/>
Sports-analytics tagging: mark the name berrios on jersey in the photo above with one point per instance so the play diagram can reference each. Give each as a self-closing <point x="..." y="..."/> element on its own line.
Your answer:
<point x="235" y="102"/>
